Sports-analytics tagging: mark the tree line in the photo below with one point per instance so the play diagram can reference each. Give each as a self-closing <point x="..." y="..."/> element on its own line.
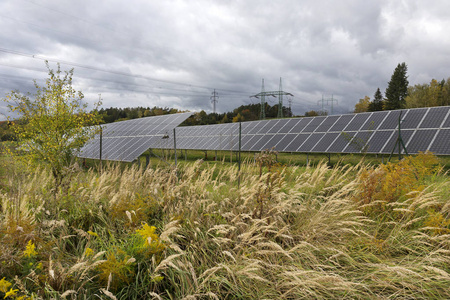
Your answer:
<point x="400" y="95"/>
<point x="248" y="112"/>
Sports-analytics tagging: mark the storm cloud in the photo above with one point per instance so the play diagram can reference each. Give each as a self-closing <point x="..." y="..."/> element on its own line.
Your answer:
<point x="175" y="53"/>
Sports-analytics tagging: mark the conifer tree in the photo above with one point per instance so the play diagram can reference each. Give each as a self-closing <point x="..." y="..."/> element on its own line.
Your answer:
<point x="377" y="103"/>
<point x="397" y="89"/>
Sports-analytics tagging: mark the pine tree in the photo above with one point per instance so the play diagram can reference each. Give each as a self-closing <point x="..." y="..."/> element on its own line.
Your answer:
<point x="397" y="89"/>
<point x="377" y="103"/>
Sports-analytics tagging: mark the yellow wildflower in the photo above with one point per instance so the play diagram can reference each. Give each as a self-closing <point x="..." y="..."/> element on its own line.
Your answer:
<point x="148" y="233"/>
<point x="88" y="252"/>
<point x="4" y="285"/>
<point x="30" y="250"/>
<point x="11" y="293"/>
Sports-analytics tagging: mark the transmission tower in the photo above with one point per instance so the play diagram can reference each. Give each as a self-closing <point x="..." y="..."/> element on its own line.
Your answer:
<point x="280" y="102"/>
<point x="214" y="100"/>
<point x="327" y="101"/>
<point x="290" y="107"/>
<point x="263" y="95"/>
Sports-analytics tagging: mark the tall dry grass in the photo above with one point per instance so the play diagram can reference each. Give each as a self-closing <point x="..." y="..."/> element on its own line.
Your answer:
<point x="287" y="233"/>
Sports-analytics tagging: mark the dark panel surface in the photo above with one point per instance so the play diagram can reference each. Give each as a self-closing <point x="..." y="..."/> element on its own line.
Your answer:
<point x="441" y="144"/>
<point x="300" y="125"/>
<point x="378" y="140"/>
<point x="325" y="142"/>
<point x="421" y="140"/>
<point x="435" y="117"/>
<point x="274" y="141"/>
<point x="413" y="118"/>
<point x="359" y="142"/>
<point x="289" y="125"/>
<point x="374" y="121"/>
<point x="285" y="141"/>
<point x="296" y="142"/>
<point x="278" y="126"/>
<point x="406" y="134"/>
<point x="341" y="142"/>
<point x="310" y="142"/>
<point x="326" y="125"/>
<point x="315" y="122"/>
<point x="357" y="122"/>
<point x="342" y="122"/>
<point x="391" y="121"/>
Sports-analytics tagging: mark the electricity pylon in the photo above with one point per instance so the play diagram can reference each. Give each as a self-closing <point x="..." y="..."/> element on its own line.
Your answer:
<point x="323" y="101"/>
<point x="214" y="98"/>
<point x="280" y="93"/>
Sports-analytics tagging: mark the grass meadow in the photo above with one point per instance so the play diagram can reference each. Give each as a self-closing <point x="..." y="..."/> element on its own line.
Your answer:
<point x="286" y="231"/>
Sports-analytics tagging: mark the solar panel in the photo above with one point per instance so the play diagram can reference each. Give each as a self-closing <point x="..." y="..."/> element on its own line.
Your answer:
<point x="377" y="132"/>
<point x="359" y="143"/>
<point x="421" y="140"/>
<point x="310" y="142"/>
<point x="296" y="142"/>
<point x="315" y="122"/>
<point x="378" y="140"/>
<point x="374" y="121"/>
<point x="285" y="141"/>
<point x="413" y="118"/>
<point x="266" y="126"/>
<point x="126" y="140"/>
<point x="277" y="126"/>
<point x="342" y="122"/>
<point x="329" y="121"/>
<point x="441" y="143"/>
<point x="391" y="143"/>
<point x="391" y="120"/>
<point x="357" y="122"/>
<point x="272" y="143"/>
<point x="300" y="125"/>
<point x="252" y="139"/>
<point x="434" y="117"/>
<point x="288" y="126"/>
<point x="261" y="143"/>
<point x="325" y="142"/>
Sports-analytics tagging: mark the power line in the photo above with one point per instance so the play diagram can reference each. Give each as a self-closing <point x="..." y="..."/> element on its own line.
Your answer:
<point x="68" y="15"/>
<point x="75" y="64"/>
<point x="194" y="93"/>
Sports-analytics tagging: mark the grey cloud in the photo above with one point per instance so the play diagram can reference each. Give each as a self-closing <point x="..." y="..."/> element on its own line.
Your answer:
<point x="346" y="48"/>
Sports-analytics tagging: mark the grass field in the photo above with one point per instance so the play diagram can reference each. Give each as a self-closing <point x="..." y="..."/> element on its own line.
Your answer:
<point x="345" y="230"/>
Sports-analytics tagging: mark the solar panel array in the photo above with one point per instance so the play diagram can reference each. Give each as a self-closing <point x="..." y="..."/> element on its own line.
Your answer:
<point x="422" y="129"/>
<point x="127" y="140"/>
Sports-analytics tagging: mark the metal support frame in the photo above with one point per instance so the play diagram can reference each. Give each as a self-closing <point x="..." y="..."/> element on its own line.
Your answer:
<point x="239" y="161"/>
<point x="101" y="148"/>
<point x="399" y="142"/>
<point x="175" y="147"/>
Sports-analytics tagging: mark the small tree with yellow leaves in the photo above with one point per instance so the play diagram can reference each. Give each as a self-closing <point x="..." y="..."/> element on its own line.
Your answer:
<point x="53" y="124"/>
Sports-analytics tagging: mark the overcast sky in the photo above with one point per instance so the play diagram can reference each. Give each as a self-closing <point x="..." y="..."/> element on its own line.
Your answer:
<point x="175" y="53"/>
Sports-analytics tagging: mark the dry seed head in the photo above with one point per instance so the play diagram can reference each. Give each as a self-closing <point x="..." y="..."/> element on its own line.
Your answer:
<point x="155" y="296"/>
<point x="108" y="293"/>
<point x="67" y="293"/>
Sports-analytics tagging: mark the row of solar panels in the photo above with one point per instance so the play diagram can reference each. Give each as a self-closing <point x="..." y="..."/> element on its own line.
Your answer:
<point x="421" y="129"/>
<point x="127" y="140"/>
